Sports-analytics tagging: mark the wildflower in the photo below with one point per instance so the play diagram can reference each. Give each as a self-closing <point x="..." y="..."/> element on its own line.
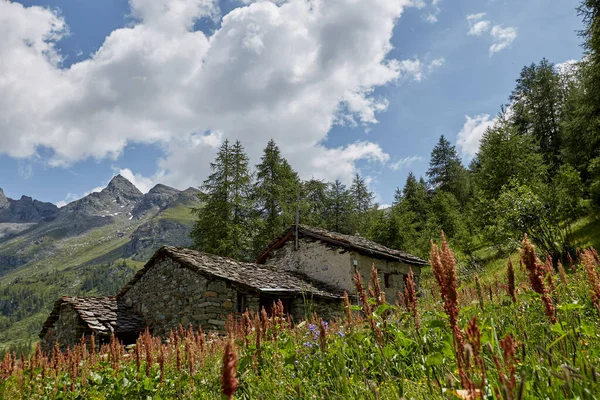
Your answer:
<point x="410" y="294"/>
<point x="507" y="374"/>
<point x="347" y="307"/>
<point x="229" y="383"/>
<point x="379" y="295"/>
<point x="534" y="268"/>
<point x="161" y="363"/>
<point x="510" y="275"/>
<point x="323" y="335"/>
<point x="590" y="263"/>
<point x="571" y="264"/>
<point x="562" y="273"/>
<point x="474" y="338"/>
<point x="444" y="268"/>
<point x="479" y="291"/>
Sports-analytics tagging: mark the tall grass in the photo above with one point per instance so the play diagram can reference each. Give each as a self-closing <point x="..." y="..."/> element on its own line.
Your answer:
<point x="494" y="340"/>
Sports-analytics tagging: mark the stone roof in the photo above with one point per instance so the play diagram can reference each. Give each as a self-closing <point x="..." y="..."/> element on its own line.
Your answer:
<point x="103" y="315"/>
<point x="261" y="278"/>
<point x="350" y="242"/>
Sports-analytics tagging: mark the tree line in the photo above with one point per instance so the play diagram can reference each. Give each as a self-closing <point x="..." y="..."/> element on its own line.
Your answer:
<point x="537" y="170"/>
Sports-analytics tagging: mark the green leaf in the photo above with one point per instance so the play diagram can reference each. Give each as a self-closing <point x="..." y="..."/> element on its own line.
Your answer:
<point x="381" y="309"/>
<point x="570" y="306"/>
<point x="557" y="328"/>
<point x="434" y="359"/>
<point x="436" y="323"/>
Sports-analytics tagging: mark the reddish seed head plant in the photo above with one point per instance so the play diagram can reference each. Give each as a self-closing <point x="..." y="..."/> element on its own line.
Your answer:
<point x="347" y="307"/>
<point x="562" y="273"/>
<point x="536" y="272"/>
<point x="229" y="382"/>
<point x="410" y="294"/>
<point x="444" y="268"/>
<point x="510" y="275"/>
<point x="378" y="294"/>
<point x="590" y="263"/>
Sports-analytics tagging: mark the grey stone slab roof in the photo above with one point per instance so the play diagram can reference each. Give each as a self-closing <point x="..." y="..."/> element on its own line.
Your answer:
<point x="103" y="315"/>
<point x="261" y="278"/>
<point x="350" y="242"/>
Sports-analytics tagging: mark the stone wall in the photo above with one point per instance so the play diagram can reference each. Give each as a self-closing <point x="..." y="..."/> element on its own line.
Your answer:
<point x="327" y="309"/>
<point x="169" y="294"/>
<point x="317" y="260"/>
<point x="67" y="330"/>
<point x="391" y="274"/>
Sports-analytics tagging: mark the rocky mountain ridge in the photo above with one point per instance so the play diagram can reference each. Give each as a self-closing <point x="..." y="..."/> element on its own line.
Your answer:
<point x="119" y="209"/>
<point x="47" y="252"/>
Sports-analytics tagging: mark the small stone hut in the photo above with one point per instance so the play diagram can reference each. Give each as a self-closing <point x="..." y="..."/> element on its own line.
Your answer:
<point x="333" y="258"/>
<point x="180" y="286"/>
<point x="74" y="317"/>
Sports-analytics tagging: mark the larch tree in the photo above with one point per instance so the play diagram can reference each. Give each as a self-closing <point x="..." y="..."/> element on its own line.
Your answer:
<point x="276" y="191"/>
<point x="445" y="171"/>
<point x="223" y="222"/>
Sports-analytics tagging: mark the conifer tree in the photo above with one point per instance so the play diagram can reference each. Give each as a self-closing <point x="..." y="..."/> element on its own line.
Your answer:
<point x="313" y="203"/>
<point x="362" y="205"/>
<point x="223" y="220"/>
<point x="445" y="171"/>
<point x="537" y="101"/>
<point x="275" y="193"/>
<point x="339" y="208"/>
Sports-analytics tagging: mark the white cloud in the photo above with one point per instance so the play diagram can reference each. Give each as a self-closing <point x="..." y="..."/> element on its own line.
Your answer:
<point x="503" y="37"/>
<point x="405" y="162"/>
<point x="433" y="15"/>
<point x="144" y="184"/>
<point x="287" y="71"/>
<point x="470" y="135"/>
<point x="74" y="196"/>
<point x="567" y="68"/>
<point x="435" y="64"/>
<point x="477" y="25"/>
<point x="25" y="170"/>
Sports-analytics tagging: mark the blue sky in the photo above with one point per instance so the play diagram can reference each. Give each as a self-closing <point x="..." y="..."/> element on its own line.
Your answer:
<point x="150" y="88"/>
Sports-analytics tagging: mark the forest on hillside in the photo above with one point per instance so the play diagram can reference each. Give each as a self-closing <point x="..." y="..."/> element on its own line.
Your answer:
<point x="537" y="171"/>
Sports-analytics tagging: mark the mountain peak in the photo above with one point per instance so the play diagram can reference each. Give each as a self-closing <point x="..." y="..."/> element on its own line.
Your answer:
<point x="123" y="185"/>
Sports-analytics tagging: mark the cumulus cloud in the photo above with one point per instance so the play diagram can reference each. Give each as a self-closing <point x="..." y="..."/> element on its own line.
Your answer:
<point x="434" y="10"/>
<point x="405" y="162"/>
<point x="283" y="70"/>
<point x="470" y="135"/>
<point x="435" y="64"/>
<point x="477" y="25"/>
<point x="143" y="183"/>
<point x="503" y="37"/>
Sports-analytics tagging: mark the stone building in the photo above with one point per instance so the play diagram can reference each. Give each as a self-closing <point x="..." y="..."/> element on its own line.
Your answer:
<point x="333" y="258"/>
<point x="74" y="317"/>
<point x="182" y="286"/>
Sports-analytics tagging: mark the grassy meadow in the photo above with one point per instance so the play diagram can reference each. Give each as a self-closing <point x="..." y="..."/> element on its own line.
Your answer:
<point x="533" y="333"/>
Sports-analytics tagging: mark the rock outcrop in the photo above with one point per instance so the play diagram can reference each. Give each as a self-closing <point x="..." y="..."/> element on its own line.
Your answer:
<point x="25" y="210"/>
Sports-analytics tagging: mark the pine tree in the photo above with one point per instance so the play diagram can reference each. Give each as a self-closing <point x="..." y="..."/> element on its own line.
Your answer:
<point x="313" y="203"/>
<point x="276" y="191"/>
<point x="362" y="205"/>
<point x="445" y="171"/>
<point x="339" y="208"/>
<point x="415" y="197"/>
<point x="223" y="221"/>
<point x="537" y="101"/>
